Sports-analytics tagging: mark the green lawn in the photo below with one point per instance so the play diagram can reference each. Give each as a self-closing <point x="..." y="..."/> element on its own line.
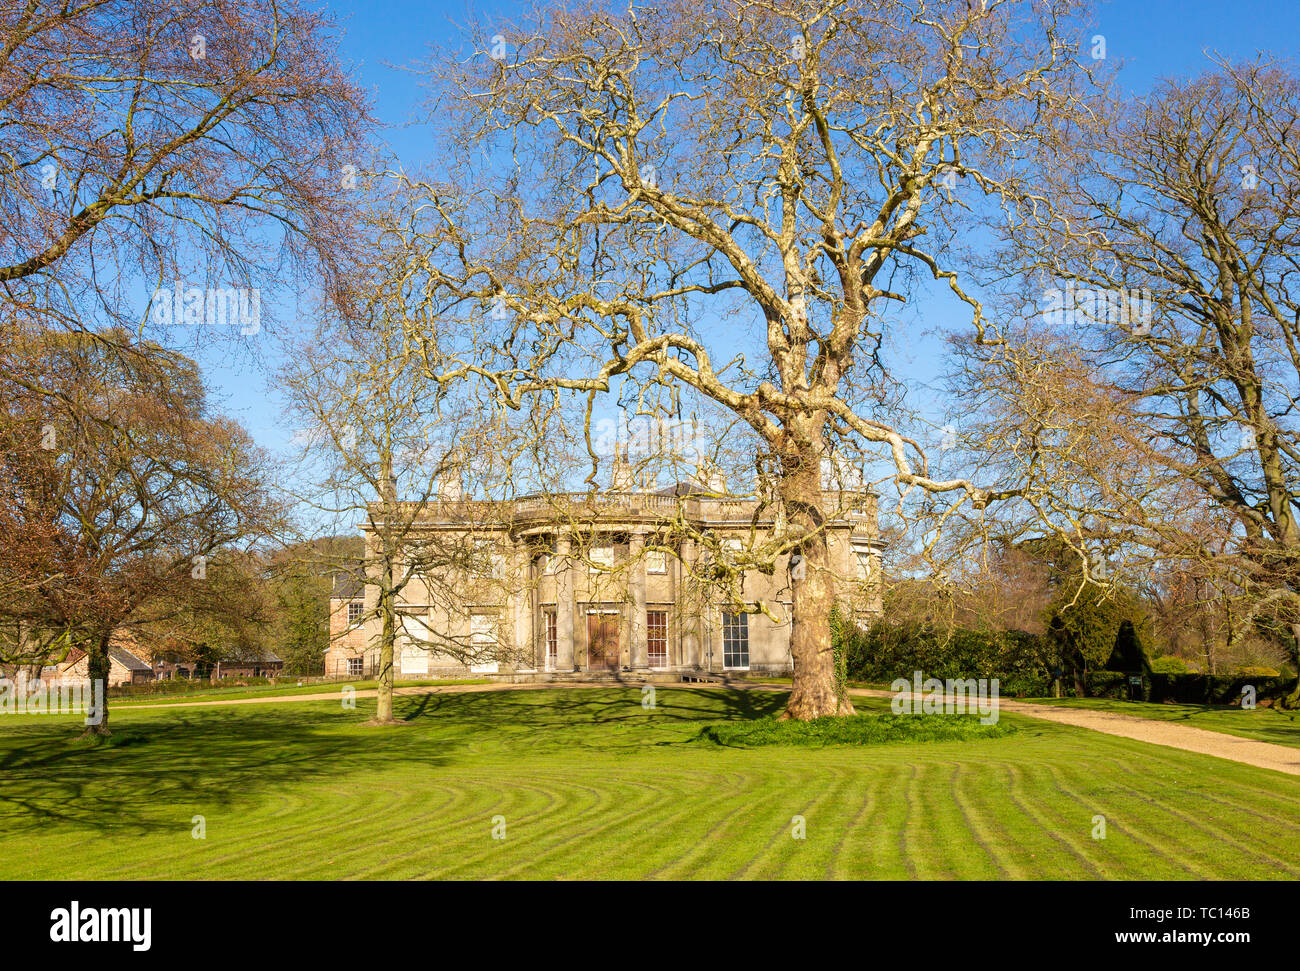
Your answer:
<point x="592" y="785"/>
<point x="1261" y="724"/>
<point x="276" y="690"/>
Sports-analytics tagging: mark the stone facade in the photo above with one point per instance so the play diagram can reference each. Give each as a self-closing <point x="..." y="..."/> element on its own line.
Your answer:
<point x="605" y="582"/>
<point x="345" y="656"/>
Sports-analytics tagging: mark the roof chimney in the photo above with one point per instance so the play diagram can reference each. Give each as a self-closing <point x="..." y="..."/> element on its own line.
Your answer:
<point x="623" y="476"/>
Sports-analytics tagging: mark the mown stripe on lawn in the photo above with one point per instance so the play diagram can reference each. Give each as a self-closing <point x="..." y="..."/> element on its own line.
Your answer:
<point x="981" y="833"/>
<point x="592" y="785"/>
<point x="1116" y="818"/>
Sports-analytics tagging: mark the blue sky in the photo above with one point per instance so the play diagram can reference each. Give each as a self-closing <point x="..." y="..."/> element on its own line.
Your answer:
<point x="1150" y="39"/>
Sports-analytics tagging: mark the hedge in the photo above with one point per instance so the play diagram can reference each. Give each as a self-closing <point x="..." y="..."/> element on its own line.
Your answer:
<point x="1020" y="661"/>
<point x="1023" y="664"/>
<point x="1188" y="689"/>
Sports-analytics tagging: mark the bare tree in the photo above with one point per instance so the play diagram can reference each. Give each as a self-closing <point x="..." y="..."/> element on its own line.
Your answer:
<point x="1149" y="397"/>
<point x="136" y="491"/>
<point x="383" y="447"/>
<point x="144" y="141"/>
<point x="734" y="197"/>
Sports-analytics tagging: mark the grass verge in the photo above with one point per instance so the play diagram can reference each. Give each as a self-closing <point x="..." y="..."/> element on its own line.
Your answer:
<point x="860" y="729"/>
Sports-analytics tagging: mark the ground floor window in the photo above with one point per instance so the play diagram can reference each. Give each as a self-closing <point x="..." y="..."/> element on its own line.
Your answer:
<point x="657" y="638"/>
<point x="483" y="642"/>
<point x="415" y="658"/>
<point x="552" y="640"/>
<point x="354" y="667"/>
<point x="735" y="640"/>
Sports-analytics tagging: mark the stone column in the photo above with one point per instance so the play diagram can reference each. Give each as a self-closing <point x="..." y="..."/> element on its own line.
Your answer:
<point x="638" y="645"/>
<point x="564" y="606"/>
<point x="687" y="611"/>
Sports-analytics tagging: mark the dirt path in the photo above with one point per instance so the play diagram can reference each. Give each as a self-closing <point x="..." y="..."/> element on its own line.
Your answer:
<point x="1265" y="755"/>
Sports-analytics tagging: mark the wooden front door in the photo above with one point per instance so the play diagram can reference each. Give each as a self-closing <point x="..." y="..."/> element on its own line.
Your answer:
<point x="602" y="642"/>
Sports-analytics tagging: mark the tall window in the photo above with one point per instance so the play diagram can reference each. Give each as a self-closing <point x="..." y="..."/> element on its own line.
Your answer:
<point x="656" y="561"/>
<point x="864" y="564"/>
<point x="656" y="622"/>
<point x="483" y="643"/>
<point x="417" y="635"/>
<point x="552" y="640"/>
<point x="355" y="609"/>
<point x="483" y="632"/>
<point x="735" y="640"/>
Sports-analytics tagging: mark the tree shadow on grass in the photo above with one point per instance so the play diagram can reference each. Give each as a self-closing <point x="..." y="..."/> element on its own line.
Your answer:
<point x="154" y="771"/>
<point x="565" y="716"/>
<point x="161" y="766"/>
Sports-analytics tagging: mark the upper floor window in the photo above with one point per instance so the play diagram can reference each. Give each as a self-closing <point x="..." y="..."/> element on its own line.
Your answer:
<point x="547" y="560"/>
<point x="656" y="561"/>
<point x="733" y="548"/>
<point x="602" y="556"/>
<point x="864" y="564"/>
<point x="356" y="609"/>
<point x="487" y="560"/>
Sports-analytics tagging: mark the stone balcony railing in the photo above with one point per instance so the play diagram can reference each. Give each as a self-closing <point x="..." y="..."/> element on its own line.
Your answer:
<point x="539" y="509"/>
<point x="602" y="502"/>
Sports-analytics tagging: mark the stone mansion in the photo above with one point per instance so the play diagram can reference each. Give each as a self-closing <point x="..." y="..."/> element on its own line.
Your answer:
<point x="602" y="582"/>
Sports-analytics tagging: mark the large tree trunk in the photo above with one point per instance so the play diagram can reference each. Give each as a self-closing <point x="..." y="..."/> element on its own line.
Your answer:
<point x="384" y="709"/>
<point x="816" y="691"/>
<point x="1292" y="700"/>
<point x="97" y="670"/>
<point x="387" y="607"/>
